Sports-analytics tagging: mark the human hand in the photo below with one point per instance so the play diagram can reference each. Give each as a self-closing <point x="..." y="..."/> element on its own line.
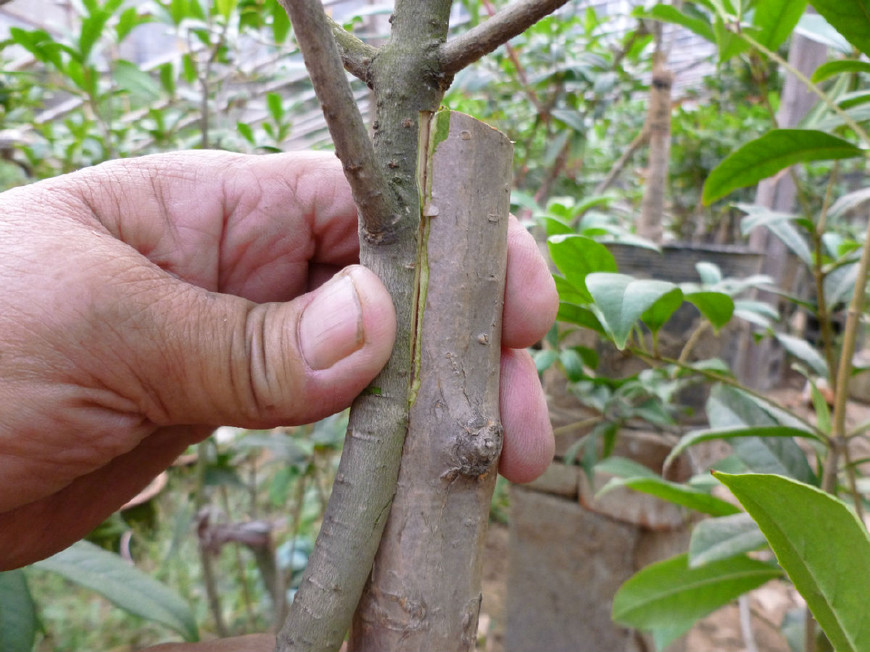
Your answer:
<point x="146" y="301"/>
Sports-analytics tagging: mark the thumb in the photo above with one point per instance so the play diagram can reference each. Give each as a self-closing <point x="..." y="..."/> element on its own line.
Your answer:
<point x="229" y="361"/>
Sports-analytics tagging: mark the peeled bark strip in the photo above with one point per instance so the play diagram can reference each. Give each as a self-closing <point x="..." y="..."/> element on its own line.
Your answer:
<point x="424" y="593"/>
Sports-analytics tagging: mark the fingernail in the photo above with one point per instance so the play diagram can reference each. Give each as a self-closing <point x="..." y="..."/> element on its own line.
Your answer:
<point x="331" y="326"/>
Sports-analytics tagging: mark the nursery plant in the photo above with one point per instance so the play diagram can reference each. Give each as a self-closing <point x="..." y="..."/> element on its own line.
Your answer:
<point x="787" y="473"/>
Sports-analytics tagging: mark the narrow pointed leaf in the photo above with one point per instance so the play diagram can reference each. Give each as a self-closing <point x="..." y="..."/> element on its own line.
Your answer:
<point x="698" y="436"/>
<point x="806" y="353"/>
<point x="123" y="585"/>
<point x="670" y="14"/>
<point x="776" y="19"/>
<point x="18" y="622"/>
<point x="714" y="539"/>
<point x="780" y="224"/>
<point x="772" y="152"/>
<point x="774" y="455"/>
<point x="673" y="492"/>
<point x="822" y="546"/>
<point x="622" y="299"/>
<point x="670" y="597"/>
<point x="849" y="17"/>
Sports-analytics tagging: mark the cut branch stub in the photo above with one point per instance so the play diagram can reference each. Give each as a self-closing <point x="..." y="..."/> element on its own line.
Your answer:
<point x="425" y="588"/>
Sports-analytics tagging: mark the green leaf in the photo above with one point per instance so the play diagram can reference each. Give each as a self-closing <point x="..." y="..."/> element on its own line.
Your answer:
<point x="18" y="622"/>
<point x="851" y="18"/>
<point x="574" y="314"/>
<point x="129" y="20"/>
<point x="226" y="7"/>
<point x="661" y="311"/>
<point x="772" y="152"/>
<point x="572" y="119"/>
<point x="776" y="19"/>
<point x="132" y="79"/>
<point x="805" y="352"/>
<point x="246" y="132"/>
<point x="623" y="467"/>
<point x="123" y="585"/>
<point x="774" y="455"/>
<point x="669" y="595"/>
<point x="556" y="226"/>
<point x="622" y="299"/>
<point x="569" y="293"/>
<point x="780" y="224"/>
<point x="167" y="78"/>
<point x="189" y="68"/>
<point x="714" y="539"/>
<point x="576" y="256"/>
<point x="276" y="106"/>
<point x="280" y="23"/>
<point x="673" y="492"/>
<point x="842" y="66"/>
<point x="711" y="434"/>
<point x="717" y="307"/>
<point x="822" y="546"/>
<point x="816" y="28"/>
<point x="670" y="14"/>
<point x="90" y="31"/>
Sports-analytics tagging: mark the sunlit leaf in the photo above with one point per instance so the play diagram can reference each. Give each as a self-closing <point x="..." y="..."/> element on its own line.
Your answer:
<point x="673" y="492"/>
<point x="714" y="539"/>
<point x="671" y="596"/>
<point x="670" y="14"/>
<point x="776" y="19"/>
<point x="772" y="152"/>
<point x="821" y="544"/>
<point x="695" y="437"/>
<point x="851" y="18"/>
<point x="622" y="299"/>
<point x="577" y="256"/>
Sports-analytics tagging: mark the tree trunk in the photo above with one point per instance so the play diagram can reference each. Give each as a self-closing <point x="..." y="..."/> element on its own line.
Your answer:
<point x="658" y="128"/>
<point x="424" y="593"/>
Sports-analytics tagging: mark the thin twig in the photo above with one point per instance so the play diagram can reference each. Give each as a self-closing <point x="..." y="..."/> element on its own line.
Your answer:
<point x="349" y="134"/>
<point x="464" y="50"/>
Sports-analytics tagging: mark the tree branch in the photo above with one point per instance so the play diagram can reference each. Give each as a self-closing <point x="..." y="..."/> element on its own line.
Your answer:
<point x="464" y="50"/>
<point x="371" y="193"/>
<point x="355" y="54"/>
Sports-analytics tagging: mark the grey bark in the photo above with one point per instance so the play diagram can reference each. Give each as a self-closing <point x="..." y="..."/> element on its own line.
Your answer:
<point x="408" y="76"/>
<point x="424" y="593"/>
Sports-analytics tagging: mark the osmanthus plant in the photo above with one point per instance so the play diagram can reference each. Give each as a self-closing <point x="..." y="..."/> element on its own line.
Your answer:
<point x="789" y="499"/>
<point x="432" y="190"/>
